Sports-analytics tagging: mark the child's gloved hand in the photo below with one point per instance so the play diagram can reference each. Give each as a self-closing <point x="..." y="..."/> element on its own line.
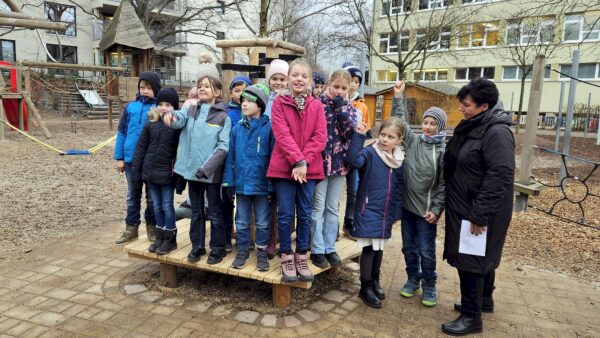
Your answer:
<point x="338" y="102"/>
<point x="229" y="193"/>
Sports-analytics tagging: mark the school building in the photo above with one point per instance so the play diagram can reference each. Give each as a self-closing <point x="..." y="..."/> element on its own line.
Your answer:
<point x="174" y="57"/>
<point x="482" y="46"/>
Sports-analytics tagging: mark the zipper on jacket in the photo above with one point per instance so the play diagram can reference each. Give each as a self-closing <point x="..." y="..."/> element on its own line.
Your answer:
<point x="258" y="146"/>
<point x="387" y="200"/>
<point x="433" y="182"/>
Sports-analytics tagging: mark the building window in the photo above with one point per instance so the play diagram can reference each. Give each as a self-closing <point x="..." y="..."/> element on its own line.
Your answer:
<point x="61" y="13"/>
<point x="7" y="52"/>
<point x="387" y="75"/>
<point x="219" y="8"/>
<point x="466" y="2"/>
<point x="393" y="7"/>
<point x="388" y="43"/>
<point x="432" y="4"/>
<point x="530" y="32"/>
<point x="514" y="73"/>
<point x="437" y="42"/>
<point x="586" y="71"/>
<point x="474" y="72"/>
<point x="580" y="28"/>
<point x="220" y="35"/>
<point x="69" y="53"/>
<point x="404" y="35"/>
<point x="430" y="75"/>
<point x="483" y="34"/>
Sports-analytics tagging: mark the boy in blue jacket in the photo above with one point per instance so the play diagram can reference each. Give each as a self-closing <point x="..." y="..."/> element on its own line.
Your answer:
<point x="131" y="123"/>
<point x="250" y="146"/>
<point x="234" y="110"/>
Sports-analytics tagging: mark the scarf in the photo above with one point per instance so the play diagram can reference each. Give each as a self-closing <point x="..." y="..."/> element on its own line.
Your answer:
<point x="393" y="160"/>
<point x="354" y="97"/>
<point x="435" y="139"/>
<point x="300" y="101"/>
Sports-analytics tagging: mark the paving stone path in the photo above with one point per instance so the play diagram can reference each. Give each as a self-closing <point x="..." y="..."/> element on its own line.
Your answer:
<point x="83" y="287"/>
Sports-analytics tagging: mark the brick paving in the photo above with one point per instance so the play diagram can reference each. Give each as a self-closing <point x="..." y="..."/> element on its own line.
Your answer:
<point x="76" y="288"/>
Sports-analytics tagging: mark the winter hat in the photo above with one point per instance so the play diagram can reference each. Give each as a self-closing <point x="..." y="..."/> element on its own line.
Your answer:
<point x="206" y="67"/>
<point x="354" y="71"/>
<point x="153" y="79"/>
<point x="439" y="115"/>
<point x="168" y="95"/>
<point x="239" y="80"/>
<point x="258" y="93"/>
<point x="277" y="67"/>
<point x="318" y="78"/>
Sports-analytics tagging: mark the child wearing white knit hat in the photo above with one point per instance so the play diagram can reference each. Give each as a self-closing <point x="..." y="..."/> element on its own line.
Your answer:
<point x="277" y="80"/>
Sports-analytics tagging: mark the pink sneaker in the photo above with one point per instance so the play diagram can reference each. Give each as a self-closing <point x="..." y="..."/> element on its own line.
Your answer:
<point x="288" y="269"/>
<point x="304" y="273"/>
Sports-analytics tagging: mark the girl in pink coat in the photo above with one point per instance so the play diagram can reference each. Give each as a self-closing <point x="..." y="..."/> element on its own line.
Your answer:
<point x="300" y="130"/>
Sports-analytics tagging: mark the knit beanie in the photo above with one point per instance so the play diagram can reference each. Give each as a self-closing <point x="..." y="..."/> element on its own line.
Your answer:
<point x="258" y="93"/>
<point x="318" y="78"/>
<point x="206" y="67"/>
<point x="354" y="71"/>
<point x="193" y="93"/>
<point x="168" y="95"/>
<point x="439" y="115"/>
<point x="277" y="67"/>
<point x="153" y="80"/>
<point x="239" y="80"/>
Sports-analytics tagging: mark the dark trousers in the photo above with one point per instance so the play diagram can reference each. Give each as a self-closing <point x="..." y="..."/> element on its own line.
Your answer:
<point x="473" y="288"/>
<point x="198" y="225"/>
<point x="227" y="211"/>
<point x="134" y="200"/>
<point x="418" y="246"/>
<point x="351" y="189"/>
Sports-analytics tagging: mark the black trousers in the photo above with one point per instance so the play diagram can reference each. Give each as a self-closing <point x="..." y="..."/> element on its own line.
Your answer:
<point x="473" y="288"/>
<point x="198" y="226"/>
<point x="227" y="207"/>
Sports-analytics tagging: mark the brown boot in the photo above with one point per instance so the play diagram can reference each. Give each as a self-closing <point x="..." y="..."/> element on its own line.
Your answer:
<point x="128" y="235"/>
<point x="151" y="232"/>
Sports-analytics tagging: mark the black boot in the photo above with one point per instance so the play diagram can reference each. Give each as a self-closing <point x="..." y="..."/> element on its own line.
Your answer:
<point x="463" y="325"/>
<point x="169" y="242"/>
<point x="368" y="295"/>
<point x="379" y="291"/>
<point x="487" y="305"/>
<point x="158" y="241"/>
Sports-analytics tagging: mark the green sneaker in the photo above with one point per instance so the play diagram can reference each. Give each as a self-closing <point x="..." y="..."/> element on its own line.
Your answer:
<point x="128" y="235"/>
<point x="429" y="293"/>
<point x="410" y="288"/>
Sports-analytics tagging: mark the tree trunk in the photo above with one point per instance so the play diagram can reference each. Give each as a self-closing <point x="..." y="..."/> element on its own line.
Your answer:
<point x="263" y="18"/>
<point x="520" y="110"/>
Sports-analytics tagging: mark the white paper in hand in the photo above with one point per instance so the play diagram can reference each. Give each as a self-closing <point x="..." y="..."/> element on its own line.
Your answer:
<point x="469" y="243"/>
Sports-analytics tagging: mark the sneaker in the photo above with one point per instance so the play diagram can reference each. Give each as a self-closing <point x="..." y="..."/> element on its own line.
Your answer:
<point x="228" y="247"/>
<point x="288" y="269"/>
<point x="128" y="235"/>
<point x="216" y="256"/>
<point x="410" y="288"/>
<point x="304" y="273"/>
<point x="429" y="294"/>
<point x="240" y="259"/>
<point x="151" y="232"/>
<point x="262" y="260"/>
<point x="333" y="259"/>
<point x="195" y="254"/>
<point x="319" y="260"/>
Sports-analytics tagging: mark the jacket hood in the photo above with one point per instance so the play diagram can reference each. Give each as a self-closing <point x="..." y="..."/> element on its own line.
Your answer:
<point x="153" y="79"/>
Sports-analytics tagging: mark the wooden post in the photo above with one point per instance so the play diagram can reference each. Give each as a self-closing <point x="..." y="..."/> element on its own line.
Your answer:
<point x="27" y="73"/>
<point x="282" y="295"/>
<point x="34" y="112"/>
<point x="19" y="84"/>
<point x="109" y="99"/>
<point x="168" y="275"/>
<point x="533" y="112"/>
<point x="228" y="75"/>
<point x="3" y="116"/>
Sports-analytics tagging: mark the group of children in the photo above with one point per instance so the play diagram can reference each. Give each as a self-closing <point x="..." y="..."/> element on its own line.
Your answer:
<point x="284" y="147"/>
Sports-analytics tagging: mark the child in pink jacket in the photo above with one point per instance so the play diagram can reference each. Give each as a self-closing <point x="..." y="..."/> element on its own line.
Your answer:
<point x="300" y="130"/>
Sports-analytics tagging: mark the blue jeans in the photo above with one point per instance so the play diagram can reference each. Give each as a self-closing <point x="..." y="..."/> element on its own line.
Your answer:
<point x="198" y="224"/>
<point x="291" y="194"/>
<point x="351" y="189"/>
<point x="262" y="220"/>
<point x="418" y="246"/>
<point x="325" y="214"/>
<point x="134" y="201"/>
<point x="162" y="195"/>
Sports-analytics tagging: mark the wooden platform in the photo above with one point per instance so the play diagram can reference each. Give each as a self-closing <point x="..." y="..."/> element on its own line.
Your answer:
<point x="346" y="249"/>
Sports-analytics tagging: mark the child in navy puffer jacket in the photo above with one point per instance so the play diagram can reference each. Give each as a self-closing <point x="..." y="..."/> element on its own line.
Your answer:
<point x="378" y="200"/>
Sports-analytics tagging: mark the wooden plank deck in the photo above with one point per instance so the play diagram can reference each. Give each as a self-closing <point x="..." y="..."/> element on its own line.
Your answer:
<point x="345" y="247"/>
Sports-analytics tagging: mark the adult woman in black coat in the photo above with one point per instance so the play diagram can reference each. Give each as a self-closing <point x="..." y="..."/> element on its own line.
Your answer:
<point x="479" y="167"/>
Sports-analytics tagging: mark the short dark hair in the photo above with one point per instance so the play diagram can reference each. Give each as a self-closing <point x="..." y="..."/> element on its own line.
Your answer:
<point x="481" y="91"/>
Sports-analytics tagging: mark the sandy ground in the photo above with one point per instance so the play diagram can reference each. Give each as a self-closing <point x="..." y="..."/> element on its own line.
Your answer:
<point x="45" y="196"/>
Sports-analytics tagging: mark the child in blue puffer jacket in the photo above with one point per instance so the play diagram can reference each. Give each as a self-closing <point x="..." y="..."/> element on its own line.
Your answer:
<point x="250" y="147"/>
<point x="378" y="200"/>
<point x="131" y="123"/>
